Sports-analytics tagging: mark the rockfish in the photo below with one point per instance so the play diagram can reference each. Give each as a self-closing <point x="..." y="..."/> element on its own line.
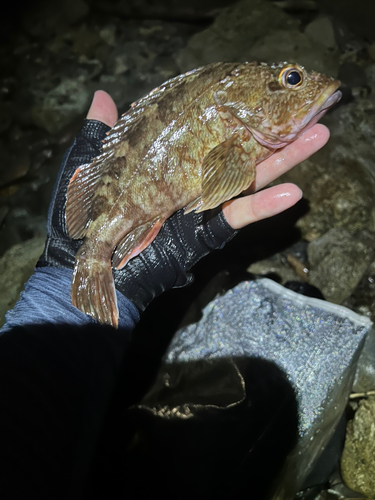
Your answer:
<point x="193" y="143"/>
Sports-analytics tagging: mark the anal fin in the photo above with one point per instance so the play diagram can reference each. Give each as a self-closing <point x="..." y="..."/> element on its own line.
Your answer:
<point x="136" y="241"/>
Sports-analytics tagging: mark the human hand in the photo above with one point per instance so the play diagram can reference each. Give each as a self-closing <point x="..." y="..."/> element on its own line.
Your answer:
<point x="184" y="239"/>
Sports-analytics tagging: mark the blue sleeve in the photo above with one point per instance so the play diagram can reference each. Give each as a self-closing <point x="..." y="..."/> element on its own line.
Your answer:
<point x="46" y="299"/>
<point x="59" y="371"/>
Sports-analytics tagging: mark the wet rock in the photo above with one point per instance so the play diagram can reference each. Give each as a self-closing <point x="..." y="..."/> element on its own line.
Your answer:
<point x="172" y="9"/>
<point x="358" y="458"/>
<point x="256" y="30"/>
<point x="108" y="34"/>
<point x="15" y="152"/>
<point x="321" y="31"/>
<point x="14" y="164"/>
<point x="365" y="375"/>
<point x="370" y="74"/>
<point x="22" y="223"/>
<point x="358" y="16"/>
<point x="337" y="264"/>
<point x="3" y="212"/>
<point x="339" y="193"/>
<point x="127" y="89"/>
<point x="89" y="68"/>
<point x="61" y="106"/>
<point x="85" y="41"/>
<point x="276" y="267"/>
<point x="339" y="180"/>
<point x="292" y="45"/>
<point x="166" y="67"/>
<point x="5" y="116"/>
<point x="47" y="18"/>
<point x="17" y="265"/>
<point x="352" y="75"/>
<point x="129" y="56"/>
<point x="362" y="300"/>
<point x="371" y="51"/>
<point x="233" y="34"/>
<point x="354" y="51"/>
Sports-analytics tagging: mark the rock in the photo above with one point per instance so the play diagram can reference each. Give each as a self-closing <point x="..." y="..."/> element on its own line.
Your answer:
<point x="292" y="45"/>
<point x="89" y="68"/>
<point x="85" y="41"/>
<point x="166" y="67"/>
<point x="61" y="106"/>
<point x="48" y="19"/>
<point x="358" y="458"/>
<point x="339" y="193"/>
<point x="26" y="217"/>
<point x="371" y="51"/>
<point x="130" y="56"/>
<point x="233" y="34"/>
<point x="274" y="267"/>
<point x="339" y="180"/>
<point x="337" y="264"/>
<point x="358" y="16"/>
<point x="125" y="89"/>
<point x="108" y="34"/>
<point x="365" y="374"/>
<point x="3" y="213"/>
<point x="17" y="265"/>
<point x="5" y="116"/>
<point x="14" y="165"/>
<point x="352" y="75"/>
<point x="370" y="74"/>
<point x="256" y="30"/>
<point x="170" y="9"/>
<point x="362" y="300"/>
<point x="321" y="31"/>
<point x="286" y="266"/>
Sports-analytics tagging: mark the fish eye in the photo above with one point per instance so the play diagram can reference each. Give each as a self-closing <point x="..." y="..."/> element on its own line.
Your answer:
<point x="291" y="77"/>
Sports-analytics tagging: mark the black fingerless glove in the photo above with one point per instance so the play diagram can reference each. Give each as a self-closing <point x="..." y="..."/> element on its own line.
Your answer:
<point x="182" y="241"/>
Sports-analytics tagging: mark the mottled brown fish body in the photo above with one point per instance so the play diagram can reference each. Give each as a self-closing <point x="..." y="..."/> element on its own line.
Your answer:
<point x="194" y="142"/>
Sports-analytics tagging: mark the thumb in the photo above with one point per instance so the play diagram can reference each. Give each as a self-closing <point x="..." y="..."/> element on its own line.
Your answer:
<point x="103" y="109"/>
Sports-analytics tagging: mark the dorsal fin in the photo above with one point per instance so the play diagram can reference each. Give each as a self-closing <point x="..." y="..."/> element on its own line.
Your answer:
<point x="81" y="190"/>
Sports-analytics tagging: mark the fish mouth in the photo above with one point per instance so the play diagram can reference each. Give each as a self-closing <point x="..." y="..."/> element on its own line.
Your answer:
<point x="306" y="117"/>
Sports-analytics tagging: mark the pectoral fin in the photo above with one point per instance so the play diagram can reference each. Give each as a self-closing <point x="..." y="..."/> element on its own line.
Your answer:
<point x="136" y="241"/>
<point x="226" y="171"/>
<point x="194" y="205"/>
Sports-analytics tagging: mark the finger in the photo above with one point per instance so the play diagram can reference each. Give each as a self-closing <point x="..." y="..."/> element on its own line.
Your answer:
<point x="272" y="201"/>
<point x="103" y="109"/>
<point x="290" y="156"/>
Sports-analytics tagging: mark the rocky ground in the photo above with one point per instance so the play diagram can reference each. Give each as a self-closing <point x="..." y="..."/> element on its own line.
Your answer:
<point x="54" y="56"/>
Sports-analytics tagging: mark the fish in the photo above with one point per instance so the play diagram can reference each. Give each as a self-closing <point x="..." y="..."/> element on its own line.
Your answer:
<point x="192" y="143"/>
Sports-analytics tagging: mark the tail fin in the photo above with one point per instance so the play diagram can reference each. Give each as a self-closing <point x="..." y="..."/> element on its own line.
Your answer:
<point x="93" y="289"/>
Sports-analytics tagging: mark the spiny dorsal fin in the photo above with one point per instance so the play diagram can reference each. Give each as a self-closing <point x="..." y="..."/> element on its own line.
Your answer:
<point x="80" y="194"/>
<point x="79" y="199"/>
<point x="226" y="171"/>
